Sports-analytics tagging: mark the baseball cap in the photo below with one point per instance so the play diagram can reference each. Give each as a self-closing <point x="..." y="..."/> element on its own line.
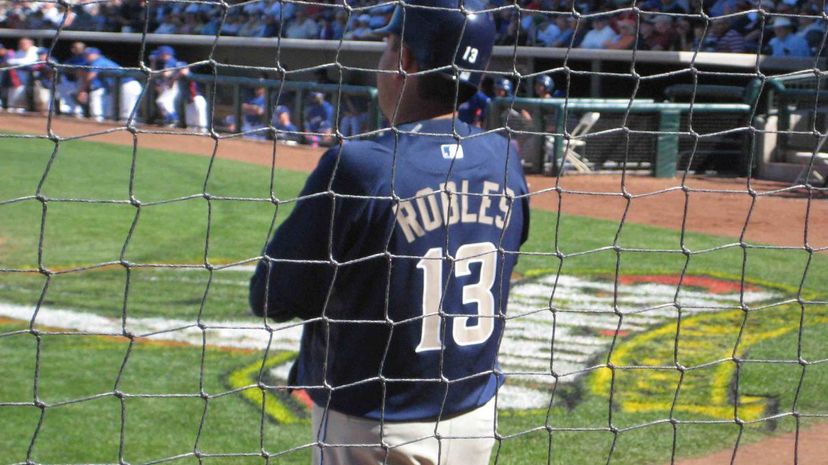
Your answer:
<point x="91" y="51"/>
<point x="281" y="109"/>
<point x="42" y="51"/>
<point x="441" y="35"/>
<point x="165" y="50"/>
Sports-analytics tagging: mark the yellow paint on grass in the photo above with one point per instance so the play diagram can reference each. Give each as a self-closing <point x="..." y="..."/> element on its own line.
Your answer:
<point x="645" y="380"/>
<point x="247" y="378"/>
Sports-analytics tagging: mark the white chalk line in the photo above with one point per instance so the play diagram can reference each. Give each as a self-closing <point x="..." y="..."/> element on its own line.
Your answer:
<point x="526" y="346"/>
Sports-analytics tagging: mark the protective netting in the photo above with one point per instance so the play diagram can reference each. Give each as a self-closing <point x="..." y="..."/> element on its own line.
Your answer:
<point x="648" y="321"/>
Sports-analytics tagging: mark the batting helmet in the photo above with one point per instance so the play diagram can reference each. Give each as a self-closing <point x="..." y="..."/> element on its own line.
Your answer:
<point x="546" y="81"/>
<point x="440" y="35"/>
<point x="504" y="84"/>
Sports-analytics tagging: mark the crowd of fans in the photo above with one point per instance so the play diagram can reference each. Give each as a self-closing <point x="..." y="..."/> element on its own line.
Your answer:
<point x="743" y="26"/>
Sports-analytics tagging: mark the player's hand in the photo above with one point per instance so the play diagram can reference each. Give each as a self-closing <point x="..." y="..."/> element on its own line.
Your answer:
<point x="82" y="97"/>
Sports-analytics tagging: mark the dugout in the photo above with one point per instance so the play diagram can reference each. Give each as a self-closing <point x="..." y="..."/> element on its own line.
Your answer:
<point x="794" y="147"/>
<point x="632" y="135"/>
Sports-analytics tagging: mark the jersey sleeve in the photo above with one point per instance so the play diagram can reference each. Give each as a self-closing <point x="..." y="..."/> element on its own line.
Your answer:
<point x="295" y="276"/>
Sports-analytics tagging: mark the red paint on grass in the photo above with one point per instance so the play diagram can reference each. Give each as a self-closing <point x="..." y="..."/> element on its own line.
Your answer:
<point x="714" y="285"/>
<point x="612" y="332"/>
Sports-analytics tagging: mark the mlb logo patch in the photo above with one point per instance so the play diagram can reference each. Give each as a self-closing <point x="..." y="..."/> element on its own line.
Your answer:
<point x="452" y="151"/>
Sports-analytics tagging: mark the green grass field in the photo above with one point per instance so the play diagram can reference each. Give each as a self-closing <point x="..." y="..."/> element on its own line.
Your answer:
<point x="164" y="416"/>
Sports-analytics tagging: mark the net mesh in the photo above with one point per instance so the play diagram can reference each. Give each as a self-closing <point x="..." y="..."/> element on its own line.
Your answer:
<point x="125" y="331"/>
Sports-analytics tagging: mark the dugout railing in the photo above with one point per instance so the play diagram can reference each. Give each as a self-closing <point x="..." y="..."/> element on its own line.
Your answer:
<point x="801" y="104"/>
<point x="796" y="128"/>
<point x="633" y="135"/>
<point x="224" y="95"/>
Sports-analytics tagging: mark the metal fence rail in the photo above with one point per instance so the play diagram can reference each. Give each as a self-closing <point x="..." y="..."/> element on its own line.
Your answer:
<point x="630" y="134"/>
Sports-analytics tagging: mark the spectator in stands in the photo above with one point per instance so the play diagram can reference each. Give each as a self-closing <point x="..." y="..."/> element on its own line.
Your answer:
<point x="663" y="36"/>
<point x="567" y="31"/>
<point x="626" y="38"/>
<point x="667" y="6"/>
<point x="231" y="26"/>
<point x="96" y="86"/>
<point x="167" y="90"/>
<point x="722" y="38"/>
<point x="53" y="16"/>
<point x="192" y="24"/>
<point x="340" y="24"/>
<point x="302" y="26"/>
<point x="319" y="120"/>
<point x="548" y="33"/>
<point x="170" y="25"/>
<point x="270" y="27"/>
<point x="361" y="29"/>
<point x="785" y="43"/>
<point x="810" y="28"/>
<point x="600" y="34"/>
<point x="750" y="24"/>
<point x="285" y="129"/>
<point x="252" y="27"/>
<point x="130" y="16"/>
<point x="254" y="114"/>
<point x="67" y="86"/>
<point x="724" y="7"/>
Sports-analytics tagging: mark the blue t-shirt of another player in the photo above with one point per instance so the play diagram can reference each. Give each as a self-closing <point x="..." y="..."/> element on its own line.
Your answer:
<point x="319" y="117"/>
<point x="108" y="67"/>
<point x="395" y="331"/>
<point x="256" y="120"/>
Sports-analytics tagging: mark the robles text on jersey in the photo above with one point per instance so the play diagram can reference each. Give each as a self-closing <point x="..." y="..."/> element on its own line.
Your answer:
<point x="432" y="208"/>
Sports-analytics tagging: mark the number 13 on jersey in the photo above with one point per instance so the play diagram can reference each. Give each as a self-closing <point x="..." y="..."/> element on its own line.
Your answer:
<point x="479" y="293"/>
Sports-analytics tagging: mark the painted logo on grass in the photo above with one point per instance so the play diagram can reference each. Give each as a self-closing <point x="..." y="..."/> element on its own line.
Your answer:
<point x="566" y="331"/>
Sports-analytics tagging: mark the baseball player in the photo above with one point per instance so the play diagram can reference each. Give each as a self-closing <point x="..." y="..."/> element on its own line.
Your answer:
<point x="96" y="89"/>
<point x="67" y="86"/>
<point x="196" y="112"/>
<point x="254" y="114"/>
<point x="319" y="114"/>
<point x="503" y="87"/>
<point x="545" y="87"/>
<point x="399" y="255"/>
<point x="166" y="84"/>
<point x="285" y="129"/>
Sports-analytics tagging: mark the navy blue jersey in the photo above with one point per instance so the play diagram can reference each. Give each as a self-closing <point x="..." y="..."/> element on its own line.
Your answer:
<point x="390" y="318"/>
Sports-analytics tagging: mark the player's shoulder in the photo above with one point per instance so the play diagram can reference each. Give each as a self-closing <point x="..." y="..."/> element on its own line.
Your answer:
<point x="363" y="165"/>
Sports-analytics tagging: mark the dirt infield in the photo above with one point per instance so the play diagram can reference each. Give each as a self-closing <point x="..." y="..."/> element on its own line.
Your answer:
<point x="760" y="211"/>
<point x="714" y="205"/>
